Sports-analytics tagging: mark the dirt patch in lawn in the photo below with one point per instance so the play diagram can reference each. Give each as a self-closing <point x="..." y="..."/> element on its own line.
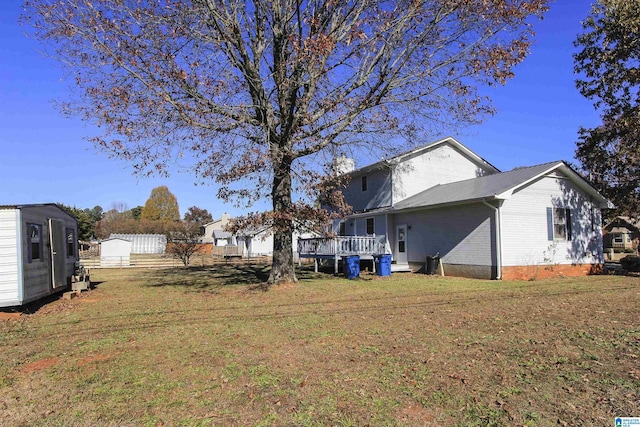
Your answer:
<point x="40" y="365"/>
<point x="93" y="359"/>
<point x="9" y="315"/>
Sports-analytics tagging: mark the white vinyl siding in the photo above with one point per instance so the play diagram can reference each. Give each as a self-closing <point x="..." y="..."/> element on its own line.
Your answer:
<point x="525" y="226"/>
<point x="436" y="165"/>
<point x="377" y="193"/>
<point x="359" y="227"/>
<point x="441" y="165"/>
<point x="461" y="235"/>
<point x="10" y="261"/>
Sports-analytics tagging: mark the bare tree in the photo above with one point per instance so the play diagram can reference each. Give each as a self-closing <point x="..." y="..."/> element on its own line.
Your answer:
<point x="183" y="240"/>
<point x="260" y="95"/>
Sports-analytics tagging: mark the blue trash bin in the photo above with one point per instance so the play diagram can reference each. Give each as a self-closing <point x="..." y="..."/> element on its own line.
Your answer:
<point x="383" y="265"/>
<point x="351" y="266"/>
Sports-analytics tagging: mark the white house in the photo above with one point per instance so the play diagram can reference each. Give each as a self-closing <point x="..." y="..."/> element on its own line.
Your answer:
<point x="38" y="252"/>
<point x="256" y="242"/>
<point x="259" y="241"/>
<point x="249" y="243"/>
<point x="443" y="199"/>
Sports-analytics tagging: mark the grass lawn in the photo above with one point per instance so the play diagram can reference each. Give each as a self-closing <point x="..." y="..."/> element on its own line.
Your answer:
<point x="207" y="347"/>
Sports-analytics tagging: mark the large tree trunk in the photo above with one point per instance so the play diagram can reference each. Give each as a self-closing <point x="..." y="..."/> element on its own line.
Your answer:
<point x="282" y="267"/>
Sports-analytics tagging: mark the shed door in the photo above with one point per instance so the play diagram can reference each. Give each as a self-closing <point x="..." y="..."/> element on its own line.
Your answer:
<point x="57" y="239"/>
<point x="401" y="244"/>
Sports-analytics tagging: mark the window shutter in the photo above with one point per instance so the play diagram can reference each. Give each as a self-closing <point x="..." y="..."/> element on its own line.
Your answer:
<point x="550" y="224"/>
<point x="568" y="220"/>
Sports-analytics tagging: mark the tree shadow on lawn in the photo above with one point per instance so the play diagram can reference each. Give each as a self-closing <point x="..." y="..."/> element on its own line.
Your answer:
<point x="218" y="276"/>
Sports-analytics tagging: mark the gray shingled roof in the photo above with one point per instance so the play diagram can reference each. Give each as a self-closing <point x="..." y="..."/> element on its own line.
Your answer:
<point x="484" y="187"/>
<point x="220" y="234"/>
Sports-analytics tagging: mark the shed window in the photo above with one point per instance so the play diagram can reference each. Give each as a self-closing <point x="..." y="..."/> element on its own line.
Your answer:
<point x="371" y="226"/>
<point x="559" y="223"/>
<point x="34" y="241"/>
<point x="364" y="183"/>
<point x="71" y="242"/>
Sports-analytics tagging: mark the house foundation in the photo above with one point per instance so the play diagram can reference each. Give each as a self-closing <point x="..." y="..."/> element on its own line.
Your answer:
<point x="534" y="272"/>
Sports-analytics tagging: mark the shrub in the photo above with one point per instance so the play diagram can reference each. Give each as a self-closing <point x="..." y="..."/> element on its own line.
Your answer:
<point x="631" y="263"/>
<point x="629" y="251"/>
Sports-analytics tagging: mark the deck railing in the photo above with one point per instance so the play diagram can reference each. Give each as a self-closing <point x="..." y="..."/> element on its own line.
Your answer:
<point x="228" y="251"/>
<point x="341" y="245"/>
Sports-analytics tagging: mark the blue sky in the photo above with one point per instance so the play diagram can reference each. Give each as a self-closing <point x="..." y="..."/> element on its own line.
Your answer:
<point x="45" y="158"/>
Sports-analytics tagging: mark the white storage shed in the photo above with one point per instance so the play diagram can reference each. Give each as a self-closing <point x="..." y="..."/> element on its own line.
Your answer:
<point x="38" y="252"/>
<point x="115" y="252"/>
<point x="144" y="243"/>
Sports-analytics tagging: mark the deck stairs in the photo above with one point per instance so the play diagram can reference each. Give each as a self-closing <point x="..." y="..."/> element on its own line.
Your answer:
<point x="400" y="268"/>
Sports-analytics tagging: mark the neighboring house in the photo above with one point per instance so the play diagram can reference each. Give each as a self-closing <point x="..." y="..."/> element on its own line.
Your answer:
<point x="443" y="199"/>
<point x="256" y="242"/>
<point x="213" y="232"/>
<point x="622" y="233"/>
<point x="38" y="252"/>
<point x="259" y="241"/>
<point x="247" y="243"/>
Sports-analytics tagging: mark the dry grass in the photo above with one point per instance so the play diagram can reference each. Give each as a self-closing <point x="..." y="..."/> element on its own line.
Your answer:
<point x="205" y="347"/>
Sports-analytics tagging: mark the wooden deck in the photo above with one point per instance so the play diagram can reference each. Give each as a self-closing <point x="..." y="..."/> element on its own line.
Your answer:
<point x="336" y="248"/>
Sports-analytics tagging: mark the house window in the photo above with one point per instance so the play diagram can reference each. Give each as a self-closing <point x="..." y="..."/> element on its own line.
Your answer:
<point x="71" y="242"/>
<point x="364" y="183"/>
<point x="559" y="223"/>
<point x="342" y="231"/>
<point x="370" y="226"/>
<point x="34" y="241"/>
<point x="618" y="238"/>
